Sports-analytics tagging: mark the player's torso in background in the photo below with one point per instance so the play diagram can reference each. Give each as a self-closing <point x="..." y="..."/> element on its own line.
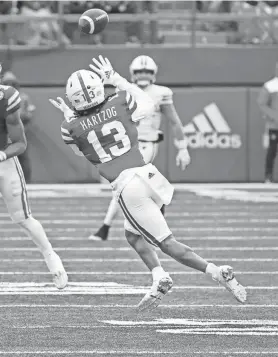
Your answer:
<point x="272" y="88"/>
<point x="107" y="137"/>
<point x="148" y="128"/>
<point x="6" y="96"/>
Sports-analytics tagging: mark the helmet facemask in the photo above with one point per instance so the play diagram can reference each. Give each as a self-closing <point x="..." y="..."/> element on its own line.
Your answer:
<point x="143" y="77"/>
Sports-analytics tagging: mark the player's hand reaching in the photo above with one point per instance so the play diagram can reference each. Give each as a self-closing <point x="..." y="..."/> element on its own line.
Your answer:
<point x="61" y="105"/>
<point x="104" y="69"/>
<point x="183" y="158"/>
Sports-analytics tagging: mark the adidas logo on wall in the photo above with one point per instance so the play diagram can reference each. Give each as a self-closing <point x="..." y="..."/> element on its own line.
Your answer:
<point x="210" y="130"/>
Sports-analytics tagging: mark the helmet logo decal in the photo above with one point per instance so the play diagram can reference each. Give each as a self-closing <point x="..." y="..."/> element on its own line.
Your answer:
<point x="84" y="89"/>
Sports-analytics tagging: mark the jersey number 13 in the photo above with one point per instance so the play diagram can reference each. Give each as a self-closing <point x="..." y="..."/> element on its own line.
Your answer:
<point x="115" y="151"/>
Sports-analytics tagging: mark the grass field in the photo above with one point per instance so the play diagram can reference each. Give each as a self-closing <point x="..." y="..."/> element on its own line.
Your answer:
<point x="95" y="315"/>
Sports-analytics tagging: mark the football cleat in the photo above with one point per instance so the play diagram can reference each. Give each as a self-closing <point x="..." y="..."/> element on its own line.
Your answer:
<point x="227" y="278"/>
<point x="101" y="234"/>
<point x="56" y="268"/>
<point x="157" y="292"/>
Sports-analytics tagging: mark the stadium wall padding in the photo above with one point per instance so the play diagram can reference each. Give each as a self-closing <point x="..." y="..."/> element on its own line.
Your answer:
<point x="183" y="66"/>
<point x="240" y="157"/>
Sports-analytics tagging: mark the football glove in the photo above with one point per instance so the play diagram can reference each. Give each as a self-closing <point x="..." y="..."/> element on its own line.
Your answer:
<point x="105" y="70"/>
<point x="183" y="157"/>
<point x="3" y="156"/>
<point x="61" y="105"/>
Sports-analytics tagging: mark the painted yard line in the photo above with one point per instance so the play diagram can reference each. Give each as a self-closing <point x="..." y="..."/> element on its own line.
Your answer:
<point x="192" y="221"/>
<point x="136" y="352"/>
<point x="180" y="186"/>
<point x="126" y="260"/>
<point x="170" y="306"/>
<point x="124" y="249"/>
<point x="168" y="214"/>
<point x="217" y="332"/>
<point x="263" y="331"/>
<point x="122" y="239"/>
<point x="129" y="273"/>
<point x="88" y="230"/>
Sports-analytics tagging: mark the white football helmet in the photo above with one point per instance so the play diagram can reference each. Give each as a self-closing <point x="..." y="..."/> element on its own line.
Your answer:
<point x="143" y="71"/>
<point x="84" y="90"/>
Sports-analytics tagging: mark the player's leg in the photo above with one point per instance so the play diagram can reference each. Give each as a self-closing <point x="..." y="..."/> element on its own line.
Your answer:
<point x="161" y="280"/>
<point x="144" y="213"/>
<point x="149" y="151"/>
<point x="271" y="155"/>
<point x="13" y="189"/>
<point x="103" y="232"/>
<point x="25" y="163"/>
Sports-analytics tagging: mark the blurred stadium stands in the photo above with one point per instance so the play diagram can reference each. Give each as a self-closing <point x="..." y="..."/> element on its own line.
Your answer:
<point x="134" y="23"/>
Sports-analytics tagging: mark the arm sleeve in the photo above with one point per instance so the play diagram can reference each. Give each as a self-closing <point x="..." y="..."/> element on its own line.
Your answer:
<point x="66" y="136"/>
<point x="144" y="103"/>
<point x="13" y="101"/>
<point x="167" y="96"/>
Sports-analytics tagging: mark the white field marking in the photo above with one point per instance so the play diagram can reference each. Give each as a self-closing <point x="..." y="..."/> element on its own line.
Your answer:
<point x="236" y="195"/>
<point x="89" y="352"/>
<point x="88" y="230"/>
<point x="170" y="306"/>
<point x="193" y="322"/>
<point x="263" y="331"/>
<point x="226" y="332"/>
<point x="84" y="287"/>
<point x="129" y="273"/>
<point x="136" y="352"/>
<point x="180" y="186"/>
<point x="98" y="215"/>
<point x="123" y="239"/>
<point x="125" y="249"/>
<point x="206" y="326"/>
<point x="103" y="288"/>
<point x="126" y="260"/>
<point x="192" y="221"/>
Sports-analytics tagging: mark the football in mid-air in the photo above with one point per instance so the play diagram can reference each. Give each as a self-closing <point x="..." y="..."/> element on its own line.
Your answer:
<point x="93" y="21"/>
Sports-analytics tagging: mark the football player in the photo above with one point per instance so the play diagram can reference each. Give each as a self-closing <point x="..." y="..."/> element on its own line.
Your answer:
<point x="12" y="181"/>
<point x="26" y="114"/>
<point x="104" y="131"/>
<point x="143" y="72"/>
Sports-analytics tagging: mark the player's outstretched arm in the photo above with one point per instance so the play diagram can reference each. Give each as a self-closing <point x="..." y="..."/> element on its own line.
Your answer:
<point x="103" y="67"/>
<point x="17" y="136"/>
<point x="169" y="110"/>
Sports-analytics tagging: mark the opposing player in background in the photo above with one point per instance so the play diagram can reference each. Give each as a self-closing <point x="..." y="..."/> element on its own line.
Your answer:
<point x="104" y="131"/>
<point x="27" y="109"/>
<point x="143" y="71"/>
<point x="12" y="181"/>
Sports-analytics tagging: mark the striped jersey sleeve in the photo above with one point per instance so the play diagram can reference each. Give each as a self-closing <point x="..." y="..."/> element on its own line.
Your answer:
<point x="166" y="96"/>
<point x="66" y="136"/>
<point x="131" y="103"/>
<point x="13" y="101"/>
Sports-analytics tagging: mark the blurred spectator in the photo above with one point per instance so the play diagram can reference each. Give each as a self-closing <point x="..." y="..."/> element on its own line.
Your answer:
<point x="39" y="32"/>
<point x="27" y="115"/>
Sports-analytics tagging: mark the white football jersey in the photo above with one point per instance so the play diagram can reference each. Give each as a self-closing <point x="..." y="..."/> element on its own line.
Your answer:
<point x="148" y="128"/>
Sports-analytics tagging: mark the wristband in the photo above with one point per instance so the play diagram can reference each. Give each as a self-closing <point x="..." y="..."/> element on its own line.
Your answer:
<point x="180" y="144"/>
